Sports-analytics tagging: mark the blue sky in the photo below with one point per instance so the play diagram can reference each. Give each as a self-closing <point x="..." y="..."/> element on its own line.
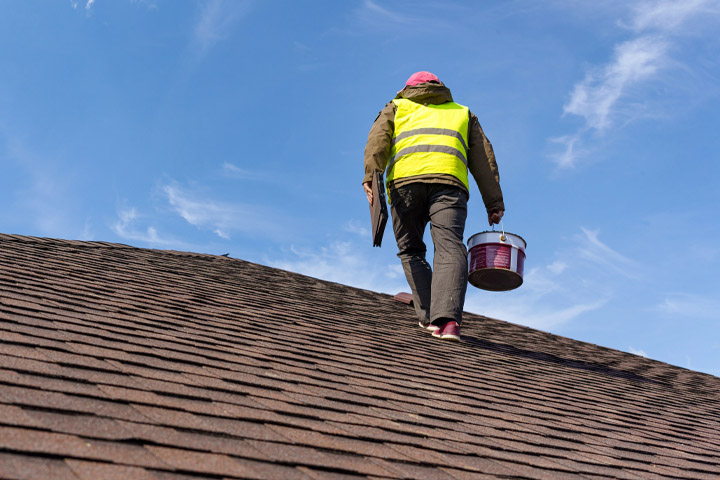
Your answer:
<point x="239" y="127"/>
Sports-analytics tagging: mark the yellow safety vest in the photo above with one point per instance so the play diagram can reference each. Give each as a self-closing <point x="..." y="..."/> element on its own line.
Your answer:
<point x="429" y="139"/>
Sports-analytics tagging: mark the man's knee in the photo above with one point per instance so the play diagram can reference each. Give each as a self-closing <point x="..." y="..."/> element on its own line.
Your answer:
<point x="410" y="252"/>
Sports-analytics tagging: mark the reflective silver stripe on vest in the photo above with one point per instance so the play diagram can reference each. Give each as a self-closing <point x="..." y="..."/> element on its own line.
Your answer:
<point x="427" y="148"/>
<point x="430" y="131"/>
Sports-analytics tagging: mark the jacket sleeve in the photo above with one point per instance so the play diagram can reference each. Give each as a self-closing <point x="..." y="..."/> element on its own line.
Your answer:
<point x="377" y="149"/>
<point x="483" y="167"/>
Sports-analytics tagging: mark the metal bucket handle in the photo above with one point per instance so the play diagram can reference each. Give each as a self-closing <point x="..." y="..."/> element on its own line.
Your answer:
<point x="502" y="237"/>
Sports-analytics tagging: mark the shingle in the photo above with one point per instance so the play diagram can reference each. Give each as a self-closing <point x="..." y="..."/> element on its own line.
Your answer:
<point x="19" y="350"/>
<point x="293" y="454"/>
<point x="241" y="429"/>
<point x="87" y="426"/>
<point x="204" y="441"/>
<point x="11" y="415"/>
<point x="338" y="443"/>
<point x="128" y="362"/>
<point x="107" y="471"/>
<point x="274" y="471"/>
<point x="412" y="470"/>
<point x="316" y="474"/>
<point x="67" y="402"/>
<point x="15" y="466"/>
<point x="26" y="440"/>
<point x="56" y="444"/>
<point x="11" y="362"/>
<point x="171" y="418"/>
<point x="48" y="383"/>
<point x="199" y="462"/>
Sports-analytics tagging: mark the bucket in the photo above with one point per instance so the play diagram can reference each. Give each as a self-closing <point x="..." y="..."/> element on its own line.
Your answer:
<point x="496" y="260"/>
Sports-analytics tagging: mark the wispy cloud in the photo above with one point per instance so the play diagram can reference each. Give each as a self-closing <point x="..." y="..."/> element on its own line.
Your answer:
<point x="395" y="17"/>
<point x="223" y="218"/>
<point x="637" y="352"/>
<point x="671" y="15"/>
<point x="582" y="279"/>
<point x="44" y="194"/>
<point x="570" y="150"/>
<point x="358" y="228"/>
<point x="533" y="314"/>
<point x="150" y="4"/>
<point x="126" y="228"/>
<point x="374" y="9"/>
<point x="592" y="249"/>
<point x="234" y="171"/>
<point x="548" y="298"/>
<point x="689" y="305"/>
<point x="343" y="262"/>
<point x="596" y="97"/>
<point x="217" y="19"/>
<point x="615" y="93"/>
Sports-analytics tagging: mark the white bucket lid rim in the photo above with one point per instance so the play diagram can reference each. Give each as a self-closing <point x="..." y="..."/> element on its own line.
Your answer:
<point x="514" y="235"/>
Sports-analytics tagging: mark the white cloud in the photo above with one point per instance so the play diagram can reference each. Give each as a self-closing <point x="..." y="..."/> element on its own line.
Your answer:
<point x="637" y="352"/>
<point x="592" y="249"/>
<point x="124" y="227"/>
<point x="596" y="97"/>
<point x="234" y="171"/>
<point x="585" y="277"/>
<point x="557" y="267"/>
<point x="44" y="194"/>
<point x="343" y="262"/>
<point x="217" y="19"/>
<point x="524" y="310"/>
<point x="617" y="92"/>
<point x="358" y="228"/>
<point x="570" y="154"/>
<point x="395" y="271"/>
<point x="689" y="305"/>
<point x="378" y="11"/>
<point x="551" y="295"/>
<point x="87" y="233"/>
<point x="222" y="234"/>
<point x="224" y="218"/>
<point x="670" y="15"/>
<point x="150" y="4"/>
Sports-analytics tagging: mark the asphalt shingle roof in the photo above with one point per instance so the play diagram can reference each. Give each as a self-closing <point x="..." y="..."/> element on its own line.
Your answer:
<point x="128" y="363"/>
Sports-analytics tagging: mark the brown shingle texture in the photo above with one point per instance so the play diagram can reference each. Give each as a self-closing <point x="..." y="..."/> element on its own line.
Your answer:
<point x="120" y="362"/>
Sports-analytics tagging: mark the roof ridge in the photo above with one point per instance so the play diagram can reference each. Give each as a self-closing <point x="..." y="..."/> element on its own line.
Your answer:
<point x="99" y="244"/>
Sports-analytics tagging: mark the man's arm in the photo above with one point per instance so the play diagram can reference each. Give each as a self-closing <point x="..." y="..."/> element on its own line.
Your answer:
<point x="377" y="149"/>
<point x="484" y="169"/>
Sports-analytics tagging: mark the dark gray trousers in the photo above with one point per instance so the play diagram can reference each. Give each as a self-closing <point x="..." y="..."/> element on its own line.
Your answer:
<point x="437" y="295"/>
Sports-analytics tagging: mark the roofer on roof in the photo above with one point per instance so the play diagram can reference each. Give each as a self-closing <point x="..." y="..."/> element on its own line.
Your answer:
<point x="428" y="143"/>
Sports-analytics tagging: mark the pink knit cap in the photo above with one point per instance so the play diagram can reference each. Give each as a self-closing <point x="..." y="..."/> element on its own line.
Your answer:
<point x="421" y="77"/>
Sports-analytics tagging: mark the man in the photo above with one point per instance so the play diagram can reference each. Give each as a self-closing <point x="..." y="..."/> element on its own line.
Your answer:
<point x="428" y="143"/>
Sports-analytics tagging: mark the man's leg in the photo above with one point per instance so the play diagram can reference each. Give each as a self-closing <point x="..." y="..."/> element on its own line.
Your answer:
<point x="448" y="212"/>
<point x="410" y="216"/>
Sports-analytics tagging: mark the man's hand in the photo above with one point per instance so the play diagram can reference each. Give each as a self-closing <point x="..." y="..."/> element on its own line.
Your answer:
<point x="367" y="186"/>
<point x="495" y="217"/>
